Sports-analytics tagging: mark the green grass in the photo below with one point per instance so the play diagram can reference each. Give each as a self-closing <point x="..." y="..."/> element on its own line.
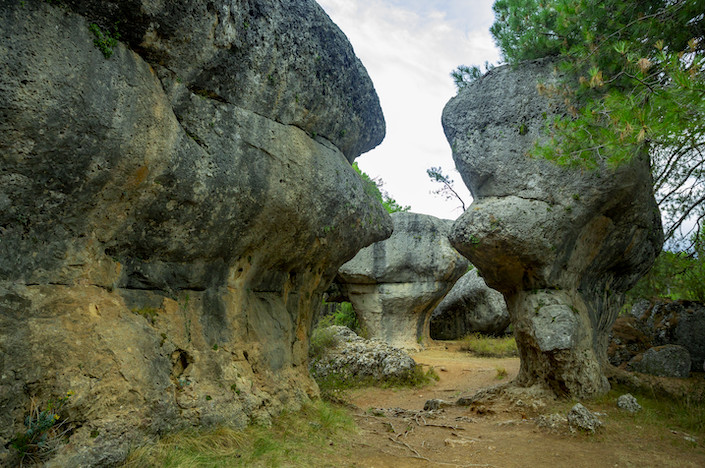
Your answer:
<point x="487" y="346"/>
<point x="305" y="438"/>
<point x="332" y="385"/>
<point x="685" y="413"/>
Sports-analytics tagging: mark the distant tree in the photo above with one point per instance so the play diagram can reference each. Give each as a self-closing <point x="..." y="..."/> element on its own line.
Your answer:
<point x="373" y="187"/>
<point x="634" y="82"/>
<point x="436" y="175"/>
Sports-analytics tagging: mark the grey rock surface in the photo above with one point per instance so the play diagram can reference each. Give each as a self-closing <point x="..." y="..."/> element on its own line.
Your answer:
<point x="172" y="214"/>
<point x="561" y="244"/>
<point x="656" y="323"/>
<point x="583" y="419"/>
<point x="663" y="361"/>
<point x="395" y="284"/>
<point x="470" y="306"/>
<point x="355" y="358"/>
<point x="627" y="402"/>
<point x="676" y="322"/>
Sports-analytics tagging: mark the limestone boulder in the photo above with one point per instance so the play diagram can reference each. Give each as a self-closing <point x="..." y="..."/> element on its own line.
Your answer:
<point x="395" y="284"/>
<point x="656" y="323"/>
<point x="353" y="358"/>
<point x="471" y="306"/>
<point x="675" y="322"/>
<point x="562" y="244"/>
<point x="171" y="215"/>
<point x="663" y="361"/>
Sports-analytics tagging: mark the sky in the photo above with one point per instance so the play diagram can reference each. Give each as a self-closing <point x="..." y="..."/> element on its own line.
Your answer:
<point x="409" y="48"/>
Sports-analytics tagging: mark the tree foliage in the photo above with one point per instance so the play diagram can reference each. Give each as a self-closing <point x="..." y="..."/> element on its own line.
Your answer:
<point x="634" y="82"/>
<point x="373" y="187"/>
<point x="676" y="275"/>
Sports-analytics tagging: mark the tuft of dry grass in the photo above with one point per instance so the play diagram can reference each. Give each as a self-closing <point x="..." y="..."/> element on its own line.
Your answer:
<point x="303" y="438"/>
<point x="489" y="346"/>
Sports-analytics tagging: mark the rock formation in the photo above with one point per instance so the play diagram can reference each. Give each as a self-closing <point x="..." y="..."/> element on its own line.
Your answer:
<point x="561" y="244"/>
<point x="171" y="214"/>
<point x="659" y="323"/>
<point x="471" y="306"/>
<point x="663" y="361"/>
<point x="352" y="358"/>
<point x="395" y="284"/>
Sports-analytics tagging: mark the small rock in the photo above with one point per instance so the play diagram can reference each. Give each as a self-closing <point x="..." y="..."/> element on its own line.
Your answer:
<point x="554" y="422"/>
<point x="435" y="404"/>
<point x="628" y="403"/>
<point x="452" y="443"/>
<point x="581" y="418"/>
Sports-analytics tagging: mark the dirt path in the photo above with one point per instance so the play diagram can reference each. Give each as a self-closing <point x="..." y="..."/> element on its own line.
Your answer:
<point x="396" y="432"/>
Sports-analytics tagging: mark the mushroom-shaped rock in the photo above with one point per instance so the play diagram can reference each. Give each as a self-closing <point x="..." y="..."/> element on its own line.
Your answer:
<point x="395" y="284"/>
<point x="471" y="306"/>
<point x="562" y="244"/>
<point x="172" y="208"/>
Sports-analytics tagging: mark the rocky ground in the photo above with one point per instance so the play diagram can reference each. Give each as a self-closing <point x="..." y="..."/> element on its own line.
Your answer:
<point x="516" y="431"/>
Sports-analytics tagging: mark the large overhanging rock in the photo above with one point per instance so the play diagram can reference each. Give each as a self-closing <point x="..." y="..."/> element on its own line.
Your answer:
<point x="395" y="284"/>
<point x="561" y="244"/>
<point x="170" y="216"/>
<point x="471" y="306"/>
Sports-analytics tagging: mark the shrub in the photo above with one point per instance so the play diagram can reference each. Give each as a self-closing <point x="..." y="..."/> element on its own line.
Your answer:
<point x="45" y="431"/>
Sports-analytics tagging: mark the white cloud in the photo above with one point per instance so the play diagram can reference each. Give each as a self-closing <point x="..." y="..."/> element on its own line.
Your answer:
<point x="409" y="48"/>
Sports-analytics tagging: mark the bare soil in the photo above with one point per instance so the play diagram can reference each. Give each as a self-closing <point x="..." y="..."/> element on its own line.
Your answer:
<point x="501" y="431"/>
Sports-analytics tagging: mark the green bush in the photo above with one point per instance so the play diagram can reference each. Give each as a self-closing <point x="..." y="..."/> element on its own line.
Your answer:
<point x="45" y="431"/>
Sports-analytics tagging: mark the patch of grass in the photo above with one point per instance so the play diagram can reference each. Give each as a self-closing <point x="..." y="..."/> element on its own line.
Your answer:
<point x="305" y="438"/>
<point x="322" y="338"/>
<point x="488" y="346"/>
<point x="685" y="413"/>
<point x="333" y="385"/>
<point x="149" y="313"/>
<point x="501" y="373"/>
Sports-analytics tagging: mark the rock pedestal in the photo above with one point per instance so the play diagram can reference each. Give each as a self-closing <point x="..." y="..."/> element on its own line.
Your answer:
<point x="561" y="244"/>
<point x="170" y="215"/>
<point x="395" y="284"/>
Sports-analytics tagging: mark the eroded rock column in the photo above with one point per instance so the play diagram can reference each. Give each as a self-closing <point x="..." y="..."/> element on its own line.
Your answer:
<point x="561" y="244"/>
<point x="395" y="284"/>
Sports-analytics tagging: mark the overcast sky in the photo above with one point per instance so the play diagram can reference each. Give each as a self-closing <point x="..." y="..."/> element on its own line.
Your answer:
<point x="409" y="48"/>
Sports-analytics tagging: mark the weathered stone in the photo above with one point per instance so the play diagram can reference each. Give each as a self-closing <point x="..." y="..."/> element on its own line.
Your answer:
<point x="656" y="323"/>
<point x="679" y="323"/>
<point x="171" y="215"/>
<point x="471" y="306"/>
<point x="395" y="284"/>
<point x="355" y="358"/>
<point x="561" y="244"/>
<point x="628" y="338"/>
<point x="627" y="402"/>
<point x="583" y="419"/>
<point x="663" y="361"/>
<point x="436" y="404"/>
